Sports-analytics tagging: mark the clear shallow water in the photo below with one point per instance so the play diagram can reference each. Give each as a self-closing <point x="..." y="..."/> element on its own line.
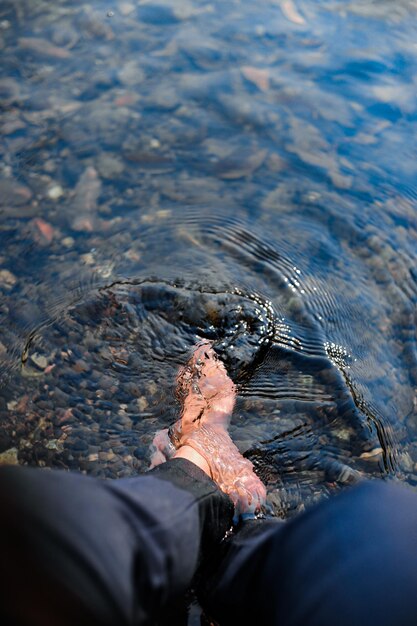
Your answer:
<point x="238" y="171"/>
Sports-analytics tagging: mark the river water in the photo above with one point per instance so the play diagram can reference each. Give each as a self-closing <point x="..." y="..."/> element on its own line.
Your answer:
<point x="239" y="171"/>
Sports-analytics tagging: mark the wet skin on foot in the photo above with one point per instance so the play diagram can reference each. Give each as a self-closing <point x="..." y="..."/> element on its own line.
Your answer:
<point x="208" y="395"/>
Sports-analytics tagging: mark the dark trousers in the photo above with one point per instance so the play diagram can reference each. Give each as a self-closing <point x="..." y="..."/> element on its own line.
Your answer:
<point x="80" y="551"/>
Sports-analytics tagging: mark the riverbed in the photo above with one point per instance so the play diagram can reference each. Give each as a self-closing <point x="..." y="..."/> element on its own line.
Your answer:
<point x="241" y="172"/>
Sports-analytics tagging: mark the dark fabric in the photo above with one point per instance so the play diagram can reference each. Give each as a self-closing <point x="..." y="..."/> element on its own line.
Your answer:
<point x="350" y="561"/>
<point x="77" y="550"/>
<point x="215" y="508"/>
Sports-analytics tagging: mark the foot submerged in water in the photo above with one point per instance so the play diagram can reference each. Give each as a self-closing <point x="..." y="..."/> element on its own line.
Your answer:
<point x="208" y="396"/>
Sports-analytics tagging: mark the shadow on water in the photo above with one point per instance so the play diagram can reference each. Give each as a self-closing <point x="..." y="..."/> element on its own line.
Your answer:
<point x="223" y="172"/>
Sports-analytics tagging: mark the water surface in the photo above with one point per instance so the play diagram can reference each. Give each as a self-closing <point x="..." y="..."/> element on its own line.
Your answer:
<point x="238" y="171"/>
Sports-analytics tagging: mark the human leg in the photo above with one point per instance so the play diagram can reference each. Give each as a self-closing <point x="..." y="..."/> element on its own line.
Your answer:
<point x="208" y="396"/>
<point x="76" y="550"/>
<point x="110" y="552"/>
<point x="350" y="561"/>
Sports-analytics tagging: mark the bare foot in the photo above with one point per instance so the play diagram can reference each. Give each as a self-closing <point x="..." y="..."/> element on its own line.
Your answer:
<point x="232" y="473"/>
<point x="162" y="448"/>
<point x="208" y="396"/>
<point x="206" y="390"/>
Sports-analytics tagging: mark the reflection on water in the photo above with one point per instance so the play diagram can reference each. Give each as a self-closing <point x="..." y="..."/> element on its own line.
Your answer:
<point x="237" y="171"/>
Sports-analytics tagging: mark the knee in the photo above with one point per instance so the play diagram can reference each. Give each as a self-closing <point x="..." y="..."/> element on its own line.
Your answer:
<point x="351" y="558"/>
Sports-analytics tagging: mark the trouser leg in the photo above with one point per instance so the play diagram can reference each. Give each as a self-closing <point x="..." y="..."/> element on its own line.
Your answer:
<point x="350" y="561"/>
<point x="76" y="550"/>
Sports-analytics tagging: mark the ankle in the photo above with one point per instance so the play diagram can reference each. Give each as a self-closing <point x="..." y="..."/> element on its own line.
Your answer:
<point x="189" y="453"/>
